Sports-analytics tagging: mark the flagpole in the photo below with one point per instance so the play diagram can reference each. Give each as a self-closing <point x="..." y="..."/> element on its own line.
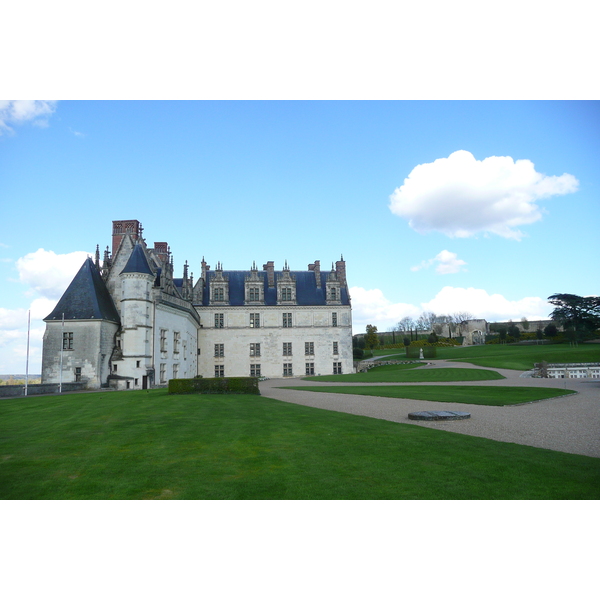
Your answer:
<point x="27" y="361"/>
<point x="62" y="346"/>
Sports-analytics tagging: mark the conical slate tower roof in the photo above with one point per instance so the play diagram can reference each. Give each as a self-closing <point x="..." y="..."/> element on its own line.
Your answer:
<point x="138" y="263"/>
<point x="87" y="297"/>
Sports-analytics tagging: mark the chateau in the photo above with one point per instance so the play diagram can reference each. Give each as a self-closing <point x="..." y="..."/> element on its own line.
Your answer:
<point x="128" y="323"/>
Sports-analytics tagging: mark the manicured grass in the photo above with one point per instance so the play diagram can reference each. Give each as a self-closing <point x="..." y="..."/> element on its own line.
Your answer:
<point x="520" y="358"/>
<point x="406" y="373"/>
<point x="491" y="396"/>
<point x="148" y="445"/>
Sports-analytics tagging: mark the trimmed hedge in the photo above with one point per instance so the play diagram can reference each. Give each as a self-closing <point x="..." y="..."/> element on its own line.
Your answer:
<point x="441" y="343"/>
<point x="215" y="385"/>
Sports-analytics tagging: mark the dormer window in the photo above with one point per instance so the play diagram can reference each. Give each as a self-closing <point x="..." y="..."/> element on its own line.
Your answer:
<point x="334" y="294"/>
<point x="286" y="287"/>
<point x="219" y="287"/>
<point x="254" y="287"/>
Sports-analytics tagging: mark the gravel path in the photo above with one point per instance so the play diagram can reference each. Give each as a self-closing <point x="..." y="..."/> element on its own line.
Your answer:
<point x="567" y="424"/>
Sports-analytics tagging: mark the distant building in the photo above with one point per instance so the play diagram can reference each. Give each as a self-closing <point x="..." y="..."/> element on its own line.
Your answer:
<point x="568" y="370"/>
<point x="473" y="331"/>
<point x="128" y="323"/>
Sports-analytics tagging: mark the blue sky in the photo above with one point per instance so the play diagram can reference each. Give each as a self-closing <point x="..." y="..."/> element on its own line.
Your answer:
<point x="237" y="181"/>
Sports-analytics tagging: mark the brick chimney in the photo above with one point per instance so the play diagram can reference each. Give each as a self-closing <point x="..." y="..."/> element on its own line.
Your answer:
<point x="316" y="267"/>
<point x="270" y="269"/>
<point x="161" y="249"/>
<point x="120" y="228"/>
<point x="340" y="270"/>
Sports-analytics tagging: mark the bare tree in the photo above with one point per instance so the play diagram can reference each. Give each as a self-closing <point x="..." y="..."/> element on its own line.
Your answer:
<point x="426" y="320"/>
<point x="459" y="317"/>
<point x="406" y="324"/>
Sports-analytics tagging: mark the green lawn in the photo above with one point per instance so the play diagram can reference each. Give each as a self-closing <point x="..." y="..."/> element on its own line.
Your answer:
<point x="149" y="445"/>
<point x="408" y="374"/>
<point x="491" y="396"/>
<point x="521" y="358"/>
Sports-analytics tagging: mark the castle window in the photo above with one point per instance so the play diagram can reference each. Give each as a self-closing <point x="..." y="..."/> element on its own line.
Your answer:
<point x="218" y="294"/>
<point x="219" y="371"/>
<point x="337" y="368"/>
<point x="115" y="367"/>
<point x="287" y="369"/>
<point x="68" y="340"/>
<point x="335" y="348"/>
<point x="309" y="348"/>
<point x="286" y="294"/>
<point x="287" y="348"/>
<point x="137" y="364"/>
<point x="175" y="370"/>
<point x="287" y="319"/>
<point x="333" y="294"/>
<point x="176" y="339"/>
<point x="163" y="369"/>
<point x="219" y="350"/>
<point x="163" y="340"/>
<point x="255" y="320"/>
<point x="310" y="368"/>
<point x="77" y="373"/>
<point x="254" y="349"/>
<point x="219" y="320"/>
<point x="253" y="294"/>
<point x="334" y="319"/>
<point x="254" y="370"/>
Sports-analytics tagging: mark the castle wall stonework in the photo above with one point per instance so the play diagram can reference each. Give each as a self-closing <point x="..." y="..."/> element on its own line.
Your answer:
<point x="147" y="326"/>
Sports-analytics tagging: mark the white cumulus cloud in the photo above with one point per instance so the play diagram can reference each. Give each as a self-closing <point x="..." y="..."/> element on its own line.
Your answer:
<point x="372" y="307"/>
<point x="461" y="196"/>
<point x="483" y="305"/>
<point x="14" y="112"/>
<point x="447" y="262"/>
<point x="49" y="273"/>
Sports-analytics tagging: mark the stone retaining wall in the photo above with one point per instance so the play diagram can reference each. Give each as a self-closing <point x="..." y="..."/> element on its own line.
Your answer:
<point x="34" y="389"/>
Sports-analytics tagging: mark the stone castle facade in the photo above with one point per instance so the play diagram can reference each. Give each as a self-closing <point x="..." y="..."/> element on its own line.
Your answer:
<point x="128" y="323"/>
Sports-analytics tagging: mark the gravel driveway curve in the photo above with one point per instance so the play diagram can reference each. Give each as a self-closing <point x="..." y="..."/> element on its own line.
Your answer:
<point x="567" y="424"/>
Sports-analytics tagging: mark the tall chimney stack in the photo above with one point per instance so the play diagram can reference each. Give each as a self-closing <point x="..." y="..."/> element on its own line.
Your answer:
<point x="120" y="228"/>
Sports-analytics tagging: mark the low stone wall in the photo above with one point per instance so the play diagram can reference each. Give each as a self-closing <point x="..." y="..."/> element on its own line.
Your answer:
<point x="365" y="365"/>
<point x="35" y="389"/>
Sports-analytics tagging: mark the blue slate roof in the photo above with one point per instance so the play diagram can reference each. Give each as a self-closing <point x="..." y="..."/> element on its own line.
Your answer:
<point x="307" y="293"/>
<point x="138" y="263"/>
<point x="87" y="297"/>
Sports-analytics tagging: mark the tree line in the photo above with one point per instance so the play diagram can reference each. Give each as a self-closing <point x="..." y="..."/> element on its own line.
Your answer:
<point x="429" y="321"/>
